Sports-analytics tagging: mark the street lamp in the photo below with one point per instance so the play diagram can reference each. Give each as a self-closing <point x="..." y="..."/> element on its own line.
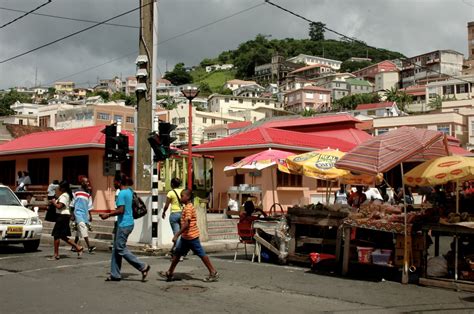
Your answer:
<point x="190" y="92"/>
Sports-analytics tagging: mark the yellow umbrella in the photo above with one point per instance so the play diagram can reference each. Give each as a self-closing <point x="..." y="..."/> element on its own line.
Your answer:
<point x="440" y="171"/>
<point x="320" y="164"/>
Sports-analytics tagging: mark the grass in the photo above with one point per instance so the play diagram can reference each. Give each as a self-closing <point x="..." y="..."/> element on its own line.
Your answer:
<point x="215" y="79"/>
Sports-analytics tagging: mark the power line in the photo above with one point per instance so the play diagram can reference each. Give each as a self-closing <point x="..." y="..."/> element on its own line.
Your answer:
<point x="26" y="13"/>
<point x="71" y="35"/>
<point x="68" y="18"/>
<point x="159" y="43"/>
<point x="355" y="40"/>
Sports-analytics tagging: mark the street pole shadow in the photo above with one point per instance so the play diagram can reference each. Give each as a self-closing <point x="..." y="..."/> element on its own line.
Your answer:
<point x="181" y="277"/>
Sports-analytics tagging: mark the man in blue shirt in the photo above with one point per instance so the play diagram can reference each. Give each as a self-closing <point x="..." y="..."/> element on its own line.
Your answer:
<point x="82" y="205"/>
<point x="125" y="224"/>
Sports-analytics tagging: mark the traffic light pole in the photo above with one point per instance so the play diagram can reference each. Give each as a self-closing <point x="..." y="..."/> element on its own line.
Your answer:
<point x="144" y="114"/>
<point x="118" y="165"/>
<point x="154" y="195"/>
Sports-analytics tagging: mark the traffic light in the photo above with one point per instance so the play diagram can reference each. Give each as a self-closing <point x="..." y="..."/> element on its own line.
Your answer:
<point x="166" y="139"/>
<point x="160" y="142"/>
<point x="116" y="147"/>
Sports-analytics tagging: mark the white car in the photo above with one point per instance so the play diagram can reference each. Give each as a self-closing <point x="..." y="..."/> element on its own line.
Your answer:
<point x="18" y="224"/>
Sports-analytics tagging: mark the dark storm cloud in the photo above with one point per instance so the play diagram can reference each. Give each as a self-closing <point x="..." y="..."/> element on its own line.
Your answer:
<point x="408" y="26"/>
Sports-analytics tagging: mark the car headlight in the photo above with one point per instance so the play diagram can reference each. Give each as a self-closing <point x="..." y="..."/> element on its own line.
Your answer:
<point x="35" y="221"/>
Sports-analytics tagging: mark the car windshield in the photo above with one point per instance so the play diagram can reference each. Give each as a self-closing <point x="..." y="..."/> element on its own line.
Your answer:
<point x="7" y="198"/>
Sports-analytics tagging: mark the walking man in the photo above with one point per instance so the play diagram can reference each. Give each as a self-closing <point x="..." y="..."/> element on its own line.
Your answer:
<point x="125" y="224"/>
<point x="82" y="205"/>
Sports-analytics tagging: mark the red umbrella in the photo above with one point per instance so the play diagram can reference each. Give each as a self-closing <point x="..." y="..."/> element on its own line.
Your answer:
<point x="388" y="150"/>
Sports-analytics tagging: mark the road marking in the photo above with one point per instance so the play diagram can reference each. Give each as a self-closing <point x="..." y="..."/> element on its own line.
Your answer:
<point x="9" y="257"/>
<point x="66" y="266"/>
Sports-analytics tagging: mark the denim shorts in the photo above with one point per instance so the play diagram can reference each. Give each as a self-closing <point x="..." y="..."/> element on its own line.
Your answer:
<point x="183" y="246"/>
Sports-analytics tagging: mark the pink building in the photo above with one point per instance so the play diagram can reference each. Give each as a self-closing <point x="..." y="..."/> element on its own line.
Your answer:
<point x="308" y="98"/>
<point x="368" y="73"/>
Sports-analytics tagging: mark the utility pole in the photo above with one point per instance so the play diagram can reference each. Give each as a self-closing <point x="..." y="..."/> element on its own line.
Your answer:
<point x="144" y="114"/>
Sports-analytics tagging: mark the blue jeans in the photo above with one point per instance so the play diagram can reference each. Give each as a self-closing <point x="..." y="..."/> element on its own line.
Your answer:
<point x="120" y="251"/>
<point x="175" y="222"/>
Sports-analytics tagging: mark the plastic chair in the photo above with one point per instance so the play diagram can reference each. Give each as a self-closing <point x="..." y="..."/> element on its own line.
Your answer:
<point x="246" y="233"/>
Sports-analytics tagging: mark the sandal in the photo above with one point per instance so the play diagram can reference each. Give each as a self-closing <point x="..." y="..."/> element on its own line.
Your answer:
<point x="53" y="258"/>
<point x="166" y="275"/>
<point x="79" y="252"/>
<point x="212" y="278"/>
<point x="110" y="278"/>
<point x="145" y="272"/>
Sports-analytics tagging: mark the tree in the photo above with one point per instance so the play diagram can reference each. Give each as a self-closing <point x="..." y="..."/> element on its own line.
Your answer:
<point x="400" y="97"/>
<point x="206" y="62"/>
<point x="350" y="102"/>
<point x="9" y="99"/>
<point x="435" y="103"/>
<point x="205" y="89"/>
<point x="168" y="103"/>
<point x="224" y="91"/>
<point x="179" y="75"/>
<point x="316" y="31"/>
<point x="105" y="95"/>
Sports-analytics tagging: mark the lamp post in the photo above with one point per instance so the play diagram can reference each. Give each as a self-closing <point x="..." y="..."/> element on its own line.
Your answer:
<point x="190" y="92"/>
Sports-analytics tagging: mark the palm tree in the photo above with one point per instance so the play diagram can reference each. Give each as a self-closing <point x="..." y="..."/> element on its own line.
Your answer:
<point x="391" y="94"/>
<point x="435" y="103"/>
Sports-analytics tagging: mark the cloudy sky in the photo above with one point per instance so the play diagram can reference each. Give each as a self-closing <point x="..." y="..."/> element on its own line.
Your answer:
<point x="409" y="26"/>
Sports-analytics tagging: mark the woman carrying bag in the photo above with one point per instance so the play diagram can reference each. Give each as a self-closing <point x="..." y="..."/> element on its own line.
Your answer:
<point x="61" y="229"/>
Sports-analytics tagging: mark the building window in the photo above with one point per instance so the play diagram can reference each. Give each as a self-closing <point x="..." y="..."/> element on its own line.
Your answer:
<point x="7" y="172"/>
<point x="267" y="102"/>
<point x="289" y="180"/>
<point x="371" y="112"/>
<point x="226" y="99"/>
<point x="103" y="116"/>
<point x="241" y="101"/>
<point x="118" y="117"/>
<point x="44" y="121"/>
<point x="20" y="121"/>
<point x="74" y="167"/>
<point x="204" y="120"/>
<point x="382" y="131"/>
<point x="444" y="128"/>
<point x="174" y="120"/>
<point x="213" y="121"/>
<point x="182" y="120"/>
<point x="129" y="119"/>
<point x="39" y="171"/>
<point x="212" y="135"/>
<point x="225" y="121"/>
<point x="472" y="127"/>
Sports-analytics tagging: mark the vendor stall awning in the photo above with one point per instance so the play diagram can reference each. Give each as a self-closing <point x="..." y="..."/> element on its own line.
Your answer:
<point x="385" y="151"/>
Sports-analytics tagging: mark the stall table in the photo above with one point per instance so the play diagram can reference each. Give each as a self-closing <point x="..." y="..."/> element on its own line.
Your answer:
<point x="377" y="225"/>
<point x="454" y="230"/>
<point x="319" y="218"/>
<point x="266" y="226"/>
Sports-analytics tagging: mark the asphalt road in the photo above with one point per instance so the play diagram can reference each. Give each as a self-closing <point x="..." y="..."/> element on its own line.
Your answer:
<point x="32" y="284"/>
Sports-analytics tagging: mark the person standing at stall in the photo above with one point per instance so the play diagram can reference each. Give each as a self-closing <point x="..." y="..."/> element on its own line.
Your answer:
<point x="357" y="198"/>
<point x="341" y="196"/>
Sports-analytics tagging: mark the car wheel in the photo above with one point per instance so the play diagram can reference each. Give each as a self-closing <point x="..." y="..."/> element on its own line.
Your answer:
<point x="31" y="246"/>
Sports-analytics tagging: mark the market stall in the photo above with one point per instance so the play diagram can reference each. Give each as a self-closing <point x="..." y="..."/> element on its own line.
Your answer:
<point x="391" y="149"/>
<point x="457" y="223"/>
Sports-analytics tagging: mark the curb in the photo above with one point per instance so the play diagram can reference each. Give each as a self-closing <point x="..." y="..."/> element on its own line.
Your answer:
<point x="217" y="246"/>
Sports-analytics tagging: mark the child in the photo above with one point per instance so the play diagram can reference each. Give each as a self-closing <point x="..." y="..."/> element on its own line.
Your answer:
<point x="189" y="240"/>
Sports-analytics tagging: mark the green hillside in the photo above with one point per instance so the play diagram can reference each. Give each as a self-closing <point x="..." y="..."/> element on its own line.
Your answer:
<point x="215" y="79"/>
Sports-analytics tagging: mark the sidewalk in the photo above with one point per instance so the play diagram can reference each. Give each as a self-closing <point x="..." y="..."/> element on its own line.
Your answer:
<point x="215" y="246"/>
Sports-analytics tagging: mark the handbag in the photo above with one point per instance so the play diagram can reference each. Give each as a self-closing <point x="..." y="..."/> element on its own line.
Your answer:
<point x="51" y="214"/>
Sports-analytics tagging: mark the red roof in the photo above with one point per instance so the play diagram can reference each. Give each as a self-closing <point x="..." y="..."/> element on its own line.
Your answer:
<point x="351" y="135"/>
<point x="89" y="137"/>
<point x="317" y="120"/>
<point x="274" y="138"/>
<point x="375" y="105"/>
<point x="238" y="125"/>
<point x="456" y="150"/>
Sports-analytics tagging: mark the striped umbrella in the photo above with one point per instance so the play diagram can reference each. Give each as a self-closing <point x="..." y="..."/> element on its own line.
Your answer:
<point x="388" y="150"/>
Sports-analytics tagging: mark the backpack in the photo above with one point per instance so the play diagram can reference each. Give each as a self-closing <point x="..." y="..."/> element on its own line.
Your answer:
<point x="138" y="206"/>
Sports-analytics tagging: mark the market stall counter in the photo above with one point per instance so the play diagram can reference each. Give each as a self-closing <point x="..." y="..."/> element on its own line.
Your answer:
<point x="458" y="263"/>
<point x="315" y="225"/>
